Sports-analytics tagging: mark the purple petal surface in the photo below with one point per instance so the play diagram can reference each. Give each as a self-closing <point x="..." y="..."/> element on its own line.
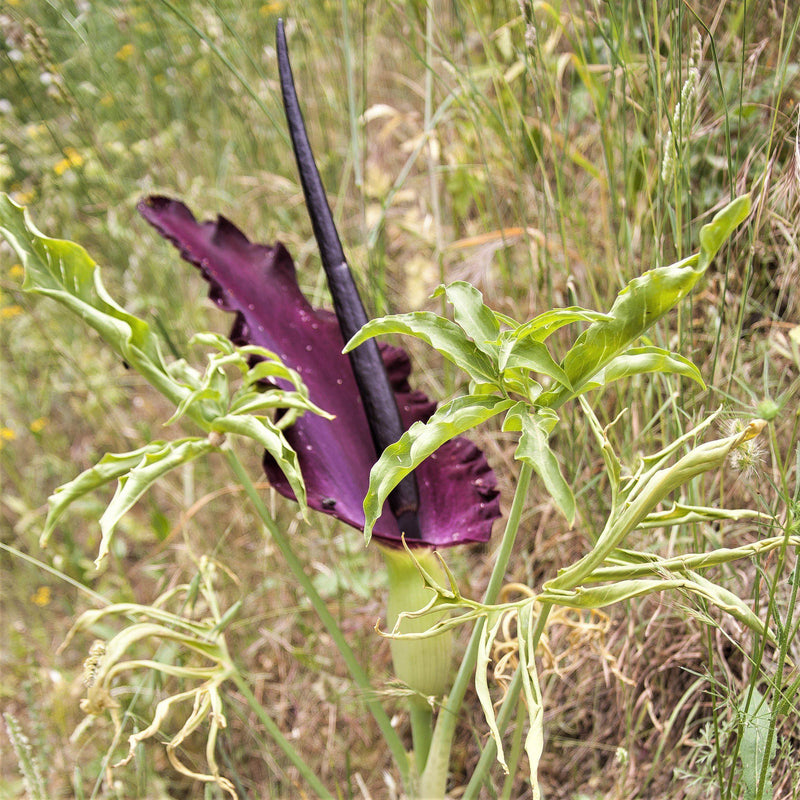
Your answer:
<point x="458" y="494"/>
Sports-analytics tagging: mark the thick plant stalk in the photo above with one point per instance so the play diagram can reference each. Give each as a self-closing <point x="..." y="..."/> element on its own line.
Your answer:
<point x="424" y="665"/>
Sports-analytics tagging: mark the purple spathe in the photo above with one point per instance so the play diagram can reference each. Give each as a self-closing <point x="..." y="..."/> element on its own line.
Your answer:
<point x="458" y="495"/>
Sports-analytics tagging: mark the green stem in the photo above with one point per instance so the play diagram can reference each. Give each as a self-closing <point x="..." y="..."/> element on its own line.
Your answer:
<point x="274" y="731"/>
<point x="433" y="781"/>
<point x="421" y="716"/>
<point x="357" y="672"/>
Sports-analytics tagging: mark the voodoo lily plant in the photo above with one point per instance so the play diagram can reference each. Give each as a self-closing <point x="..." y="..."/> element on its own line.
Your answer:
<point x="450" y="499"/>
<point x="346" y="435"/>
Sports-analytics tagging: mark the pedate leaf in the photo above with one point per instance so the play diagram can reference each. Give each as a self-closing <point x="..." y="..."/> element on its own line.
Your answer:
<point x="94" y="616"/>
<point x="270" y="370"/>
<point x="610" y="458"/>
<point x="644" y="301"/>
<point x="620" y="590"/>
<point x="65" y="272"/>
<point x="110" y="467"/>
<point x="533" y="448"/>
<point x="488" y="635"/>
<point x="271" y="438"/>
<point x="152" y="465"/>
<point x="641" y="360"/>
<point x="122" y="641"/>
<point x="716" y="233"/>
<point x="647" y="490"/>
<point x="477" y="320"/>
<point x="547" y="323"/>
<point x="249" y="402"/>
<point x="440" y="333"/>
<point x="211" y="393"/>
<point x="626" y="564"/>
<point x="534" y="739"/>
<point x="528" y="354"/>
<point x="420" y="441"/>
<point x="682" y="514"/>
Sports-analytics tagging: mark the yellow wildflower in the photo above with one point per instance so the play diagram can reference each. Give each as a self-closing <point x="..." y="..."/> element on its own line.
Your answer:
<point x="125" y="52"/>
<point x="38" y="424"/>
<point x="72" y="158"/>
<point x="42" y="596"/>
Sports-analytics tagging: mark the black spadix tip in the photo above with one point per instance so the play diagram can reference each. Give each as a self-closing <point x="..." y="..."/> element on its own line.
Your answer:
<point x="380" y="406"/>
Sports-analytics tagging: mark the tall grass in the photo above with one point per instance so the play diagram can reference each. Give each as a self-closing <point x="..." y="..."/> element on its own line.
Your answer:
<point x="544" y="152"/>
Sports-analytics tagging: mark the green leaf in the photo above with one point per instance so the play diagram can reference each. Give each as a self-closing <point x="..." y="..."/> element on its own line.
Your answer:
<point x="728" y="602"/>
<point x="212" y="394"/>
<point x="543" y="325"/>
<point x="610" y="458"/>
<point x="682" y="514"/>
<point x="484" y="658"/>
<point x="528" y="354"/>
<point x="263" y="431"/>
<point x="137" y="480"/>
<point x="641" y="360"/>
<point x="256" y="363"/>
<point x="270" y="370"/>
<point x="646" y="491"/>
<point x="533" y="448"/>
<point x="247" y="402"/>
<point x="65" y="272"/>
<point x="715" y="233"/>
<point x="440" y="333"/>
<point x="625" y="564"/>
<point x="644" y="301"/>
<point x="421" y="440"/>
<point x="621" y="590"/>
<point x="534" y="740"/>
<point x="110" y="467"/>
<point x="477" y="320"/>
<point x="519" y="381"/>
<point x="755" y="714"/>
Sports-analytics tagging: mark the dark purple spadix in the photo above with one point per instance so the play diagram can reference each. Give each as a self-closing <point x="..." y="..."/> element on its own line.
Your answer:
<point x="383" y="416"/>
